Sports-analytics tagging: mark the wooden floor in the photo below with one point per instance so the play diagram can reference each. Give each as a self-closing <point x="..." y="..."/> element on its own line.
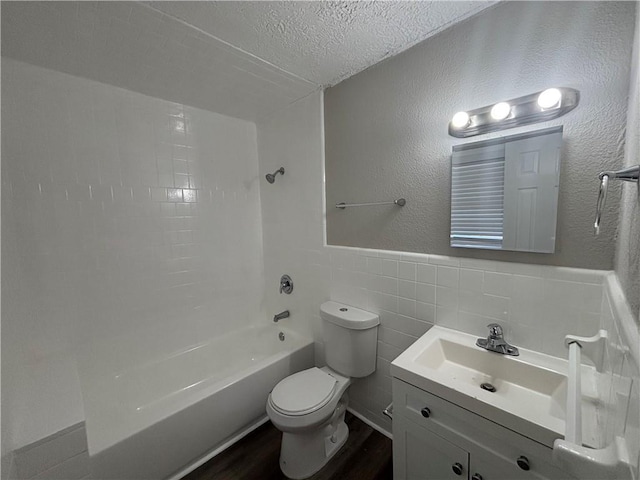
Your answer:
<point x="365" y="456"/>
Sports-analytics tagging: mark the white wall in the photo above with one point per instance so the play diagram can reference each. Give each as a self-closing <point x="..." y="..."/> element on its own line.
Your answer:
<point x="292" y="210"/>
<point x="619" y="385"/>
<point x="131" y="229"/>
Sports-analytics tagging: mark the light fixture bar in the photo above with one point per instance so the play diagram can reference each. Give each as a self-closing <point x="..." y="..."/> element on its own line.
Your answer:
<point x="524" y="111"/>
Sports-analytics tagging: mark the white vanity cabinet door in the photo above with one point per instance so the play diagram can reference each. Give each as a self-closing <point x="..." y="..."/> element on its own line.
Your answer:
<point x="419" y="454"/>
<point x="493" y="450"/>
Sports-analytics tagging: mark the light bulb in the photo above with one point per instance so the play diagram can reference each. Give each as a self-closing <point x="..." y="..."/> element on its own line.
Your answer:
<point x="550" y="98"/>
<point x="500" y="111"/>
<point x="460" y="120"/>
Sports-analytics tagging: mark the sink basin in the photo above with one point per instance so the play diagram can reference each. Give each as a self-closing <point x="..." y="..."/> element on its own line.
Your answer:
<point x="525" y="393"/>
<point x="542" y="389"/>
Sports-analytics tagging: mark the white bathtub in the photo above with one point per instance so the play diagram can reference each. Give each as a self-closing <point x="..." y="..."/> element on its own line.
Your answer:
<point x="152" y="420"/>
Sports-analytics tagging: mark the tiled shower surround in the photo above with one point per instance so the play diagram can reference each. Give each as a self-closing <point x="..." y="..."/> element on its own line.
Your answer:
<point x="131" y="229"/>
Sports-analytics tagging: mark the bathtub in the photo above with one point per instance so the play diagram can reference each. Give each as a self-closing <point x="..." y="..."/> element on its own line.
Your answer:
<point x="155" y="419"/>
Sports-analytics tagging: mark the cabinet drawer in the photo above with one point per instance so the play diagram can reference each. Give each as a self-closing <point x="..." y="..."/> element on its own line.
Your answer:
<point x="472" y="432"/>
<point x="419" y="454"/>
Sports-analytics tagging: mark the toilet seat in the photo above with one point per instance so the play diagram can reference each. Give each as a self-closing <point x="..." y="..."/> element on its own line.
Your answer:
<point x="303" y="392"/>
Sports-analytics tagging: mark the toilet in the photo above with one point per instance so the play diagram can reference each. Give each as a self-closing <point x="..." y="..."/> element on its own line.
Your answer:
<point x="308" y="407"/>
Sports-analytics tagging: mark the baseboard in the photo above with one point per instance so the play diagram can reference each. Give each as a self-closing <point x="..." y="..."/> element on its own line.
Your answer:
<point x="370" y="423"/>
<point x="208" y="456"/>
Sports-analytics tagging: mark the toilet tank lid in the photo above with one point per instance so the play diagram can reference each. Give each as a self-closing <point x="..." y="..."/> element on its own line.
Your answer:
<point x="347" y="316"/>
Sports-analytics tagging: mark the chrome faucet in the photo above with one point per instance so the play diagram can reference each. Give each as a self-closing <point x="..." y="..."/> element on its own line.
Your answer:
<point x="281" y="315"/>
<point x="495" y="342"/>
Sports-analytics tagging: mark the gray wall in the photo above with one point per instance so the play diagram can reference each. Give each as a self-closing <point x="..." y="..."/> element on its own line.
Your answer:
<point x="386" y="128"/>
<point x="628" y="247"/>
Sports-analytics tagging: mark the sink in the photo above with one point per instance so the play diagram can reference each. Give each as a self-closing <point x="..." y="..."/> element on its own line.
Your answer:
<point x="515" y="382"/>
<point x="525" y="393"/>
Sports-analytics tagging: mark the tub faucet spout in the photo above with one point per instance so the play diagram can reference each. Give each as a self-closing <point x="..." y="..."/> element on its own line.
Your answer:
<point x="281" y="315"/>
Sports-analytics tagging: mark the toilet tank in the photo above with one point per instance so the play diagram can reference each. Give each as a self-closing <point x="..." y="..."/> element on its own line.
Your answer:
<point x="350" y="339"/>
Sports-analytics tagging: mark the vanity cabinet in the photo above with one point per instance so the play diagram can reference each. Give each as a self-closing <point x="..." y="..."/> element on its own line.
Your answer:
<point x="436" y="439"/>
<point x="420" y="454"/>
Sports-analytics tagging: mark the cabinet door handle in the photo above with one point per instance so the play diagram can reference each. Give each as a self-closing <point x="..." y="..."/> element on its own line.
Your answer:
<point x="426" y="413"/>
<point x="457" y="468"/>
<point x="523" y="462"/>
<point x="476" y="476"/>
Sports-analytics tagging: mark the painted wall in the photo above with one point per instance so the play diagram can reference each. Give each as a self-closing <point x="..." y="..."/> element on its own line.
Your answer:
<point x="628" y="244"/>
<point x="131" y="229"/>
<point x="386" y="128"/>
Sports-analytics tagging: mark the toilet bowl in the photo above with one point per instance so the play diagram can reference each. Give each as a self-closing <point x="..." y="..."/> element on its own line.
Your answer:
<point x="309" y="406"/>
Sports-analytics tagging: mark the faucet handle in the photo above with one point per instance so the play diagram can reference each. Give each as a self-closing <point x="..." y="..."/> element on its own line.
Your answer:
<point x="286" y="284"/>
<point x="495" y="330"/>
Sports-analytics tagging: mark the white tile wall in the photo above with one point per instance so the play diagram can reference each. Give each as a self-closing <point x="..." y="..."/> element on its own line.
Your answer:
<point x="620" y="382"/>
<point x="292" y="212"/>
<point x="537" y="307"/>
<point x="134" y="230"/>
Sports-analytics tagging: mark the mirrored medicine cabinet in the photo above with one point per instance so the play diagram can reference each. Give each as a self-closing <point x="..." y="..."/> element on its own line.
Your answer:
<point x="504" y="192"/>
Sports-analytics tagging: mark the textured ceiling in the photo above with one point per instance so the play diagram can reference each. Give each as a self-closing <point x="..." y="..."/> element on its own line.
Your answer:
<point x="243" y="59"/>
<point x="321" y="41"/>
<point x="129" y="45"/>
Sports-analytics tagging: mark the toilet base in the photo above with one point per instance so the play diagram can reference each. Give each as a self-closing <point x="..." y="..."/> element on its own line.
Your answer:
<point x="305" y="453"/>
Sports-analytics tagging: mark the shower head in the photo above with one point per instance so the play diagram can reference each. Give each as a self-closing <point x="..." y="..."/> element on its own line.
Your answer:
<point x="271" y="177"/>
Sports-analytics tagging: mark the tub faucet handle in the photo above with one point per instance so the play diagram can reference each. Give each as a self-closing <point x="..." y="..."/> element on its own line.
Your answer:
<point x="286" y="284"/>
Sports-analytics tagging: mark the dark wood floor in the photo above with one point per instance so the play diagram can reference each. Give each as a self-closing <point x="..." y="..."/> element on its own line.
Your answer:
<point x="365" y="456"/>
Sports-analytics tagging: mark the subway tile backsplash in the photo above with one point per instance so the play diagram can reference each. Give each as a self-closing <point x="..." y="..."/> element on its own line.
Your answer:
<point x="537" y="305"/>
<point x="432" y="288"/>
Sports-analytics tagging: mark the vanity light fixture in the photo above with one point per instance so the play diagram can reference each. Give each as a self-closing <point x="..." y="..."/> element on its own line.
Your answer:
<point x="550" y="98"/>
<point x="500" y="111"/>
<point x="537" y="107"/>
<point x="460" y="120"/>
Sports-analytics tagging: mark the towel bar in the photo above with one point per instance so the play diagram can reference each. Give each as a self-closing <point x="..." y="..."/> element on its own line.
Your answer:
<point x="630" y="174"/>
<point x="401" y="202"/>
